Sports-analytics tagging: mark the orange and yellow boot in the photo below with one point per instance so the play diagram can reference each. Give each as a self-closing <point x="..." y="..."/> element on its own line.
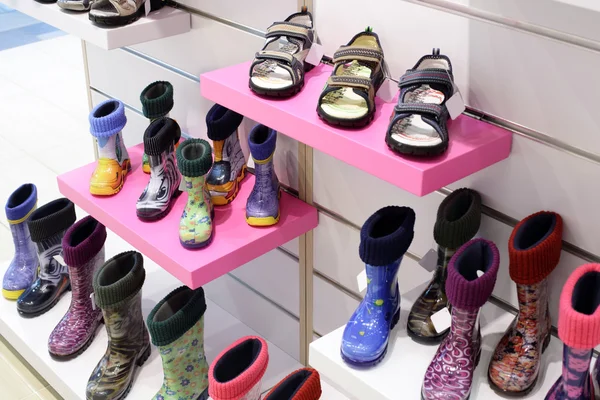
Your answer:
<point x="157" y="102"/>
<point x="107" y="120"/>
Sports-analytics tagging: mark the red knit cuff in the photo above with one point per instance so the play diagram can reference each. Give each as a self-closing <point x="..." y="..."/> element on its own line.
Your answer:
<point x="575" y="329"/>
<point x="239" y="386"/>
<point x="534" y="247"/>
<point x="305" y="384"/>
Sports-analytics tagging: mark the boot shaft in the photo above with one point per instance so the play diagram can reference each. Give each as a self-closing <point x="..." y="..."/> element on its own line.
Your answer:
<point x="266" y="180"/>
<point x="444" y="255"/>
<point x="382" y="283"/>
<point x="576" y="383"/>
<point x="465" y="326"/>
<point x="19" y="207"/>
<point x="25" y="249"/>
<point x="125" y="323"/>
<point x="113" y="148"/>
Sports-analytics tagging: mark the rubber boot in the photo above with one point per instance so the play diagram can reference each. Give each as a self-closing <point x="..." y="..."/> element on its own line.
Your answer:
<point x="534" y="249"/>
<point x="47" y="226"/>
<point x="83" y="252"/>
<point x="579" y="329"/>
<point x="118" y="293"/>
<point x="471" y="278"/>
<point x="163" y="188"/>
<point x="157" y="102"/>
<point x="107" y="120"/>
<point x="230" y="163"/>
<point x="384" y="238"/>
<point x="303" y="384"/>
<point x="194" y="160"/>
<point x="22" y="270"/>
<point x="458" y="220"/>
<point x="237" y="372"/>
<point x="176" y="325"/>
<point x="262" y="207"/>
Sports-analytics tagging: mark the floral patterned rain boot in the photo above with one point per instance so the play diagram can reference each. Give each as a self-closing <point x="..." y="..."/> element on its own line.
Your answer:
<point x="303" y="384"/>
<point x="384" y="238"/>
<point x="194" y="160"/>
<point x="534" y="249"/>
<point x="471" y="278"/>
<point x="83" y="252"/>
<point x="230" y="163"/>
<point x="236" y="373"/>
<point x="107" y="120"/>
<point x="579" y="329"/>
<point x="22" y="270"/>
<point x="157" y="102"/>
<point x="458" y="220"/>
<point x="176" y="325"/>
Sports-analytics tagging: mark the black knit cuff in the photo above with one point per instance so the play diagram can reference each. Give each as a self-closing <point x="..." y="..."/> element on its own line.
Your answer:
<point x="387" y="235"/>
<point x="458" y="218"/>
<point x="157" y="99"/>
<point x="166" y="331"/>
<point x="119" y="279"/>
<point x="160" y="134"/>
<point x="221" y="122"/>
<point x="51" y="218"/>
<point x="194" y="157"/>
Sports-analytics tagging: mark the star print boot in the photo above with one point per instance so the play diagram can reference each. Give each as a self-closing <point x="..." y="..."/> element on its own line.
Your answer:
<point x="176" y="325"/>
<point x="157" y="102"/>
<point x="384" y="238"/>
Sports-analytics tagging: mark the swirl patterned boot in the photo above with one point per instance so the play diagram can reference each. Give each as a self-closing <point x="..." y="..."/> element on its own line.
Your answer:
<point x="83" y="252"/>
<point x="262" y="207"/>
<point x="471" y="278"/>
<point x="22" y="270"/>
<point x="107" y="120"/>
<point x="163" y="188"/>
<point x="384" y="238"/>
<point x="534" y="249"/>
<point x="458" y="220"/>
<point x="157" y="102"/>
<point x="194" y="160"/>
<point x="118" y="293"/>
<point x="236" y="373"/>
<point x="230" y="163"/>
<point x="176" y="326"/>
<point x="47" y="226"/>
<point x="303" y="384"/>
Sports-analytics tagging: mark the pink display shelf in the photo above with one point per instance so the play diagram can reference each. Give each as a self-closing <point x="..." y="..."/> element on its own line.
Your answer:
<point x="234" y="244"/>
<point x="474" y="144"/>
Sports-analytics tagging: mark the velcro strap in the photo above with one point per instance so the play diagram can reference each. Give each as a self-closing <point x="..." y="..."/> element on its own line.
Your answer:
<point x="275" y="55"/>
<point x="435" y="110"/>
<point x="427" y="76"/>
<point x="352" y="81"/>
<point x="350" y="53"/>
<point x="287" y="29"/>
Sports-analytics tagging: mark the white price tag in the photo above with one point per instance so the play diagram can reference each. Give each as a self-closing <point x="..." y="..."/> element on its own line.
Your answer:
<point x="182" y="185"/>
<point x="441" y="320"/>
<point x="361" y="279"/>
<point x="429" y="260"/>
<point x="455" y="105"/>
<point x="315" y="54"/>
<point x="93" y="300"/>
<point x="480" y="273"/>
<point x="387" y="91"/>
<point x="60" y="260"/>
<point x="147" y="7"/>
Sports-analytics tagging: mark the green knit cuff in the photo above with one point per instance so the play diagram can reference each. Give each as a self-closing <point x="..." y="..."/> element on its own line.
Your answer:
<point x="157" y="99"/>
<point x="168" y="330"/>
<point x="194" y="157"/>
<point x="458" y="218"/>
<point x="119" y="279"/>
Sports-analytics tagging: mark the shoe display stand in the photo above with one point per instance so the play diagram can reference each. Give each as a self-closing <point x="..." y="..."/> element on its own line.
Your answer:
<point x="160" y="24"/>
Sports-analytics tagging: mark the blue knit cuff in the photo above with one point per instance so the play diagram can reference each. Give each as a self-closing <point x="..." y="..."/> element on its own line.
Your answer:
<point x="21" y="202"/>
<point x="262" y="141"/>
<point x="107" y="119"/>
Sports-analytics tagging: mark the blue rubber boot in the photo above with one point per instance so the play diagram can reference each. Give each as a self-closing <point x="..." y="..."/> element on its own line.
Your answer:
<point x="385" y="237"/>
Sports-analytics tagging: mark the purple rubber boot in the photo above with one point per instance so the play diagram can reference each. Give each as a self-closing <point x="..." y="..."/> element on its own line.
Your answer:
<point x="23" y="268"/>
<point x="262" y="208"/>
<point x="471" y="277"/>
<point x="83" y="251"/>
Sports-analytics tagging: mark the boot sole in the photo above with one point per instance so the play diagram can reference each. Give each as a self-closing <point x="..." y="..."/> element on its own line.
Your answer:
<point x="12" y="294"/>
<point x="224" y="200"/>
<point x="197" y="246"/>
<point x="67" y="357"/>
<point x="162" y="214"/>
<point x="102" y="190"/>
<point x="45" y="310"/>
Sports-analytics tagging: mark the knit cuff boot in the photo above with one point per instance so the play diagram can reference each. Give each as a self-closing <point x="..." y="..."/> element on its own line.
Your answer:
<point x="386" y="235"/>
<point x="194" y="157"/>
<point x="221" y="122"/>
<point x="238" y="370"/>
<point x="21" y="203"/>
<point x="157" y="99"/>
<point x="176" y="314"/>
<point x="579" y="311"/>
<point x="303" y="384"/>
<point x="458" y="218"/>
<point x="161" y="134"/>
<point x="83" y="241"/>
<point x="534" y="247"/>
<point x="51" y="218"/>
<point x="119" y="279"/>
<point x="107" y="119"/>
<point x="464" y="288"/>
<point x="262" y="141"/>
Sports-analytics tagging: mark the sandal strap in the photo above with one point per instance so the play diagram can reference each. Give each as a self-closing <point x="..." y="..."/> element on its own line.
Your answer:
<point x="435" y="110"/>
<point x="283" y="59"/>
<point x="427" y="76"/>
<point x="288" y="29"/>
<point x="275" y="55"/>
<point x="351" y="53"/>
<point x="353" y="81"/>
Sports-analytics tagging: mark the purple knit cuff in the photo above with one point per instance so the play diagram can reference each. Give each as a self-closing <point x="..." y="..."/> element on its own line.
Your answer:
<point x="83" y="241"/>
<point x="107" y="119"/>
<point x="464" y="288"/>
<point x="21" y="202"/>
<point x="262" y="141"/>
